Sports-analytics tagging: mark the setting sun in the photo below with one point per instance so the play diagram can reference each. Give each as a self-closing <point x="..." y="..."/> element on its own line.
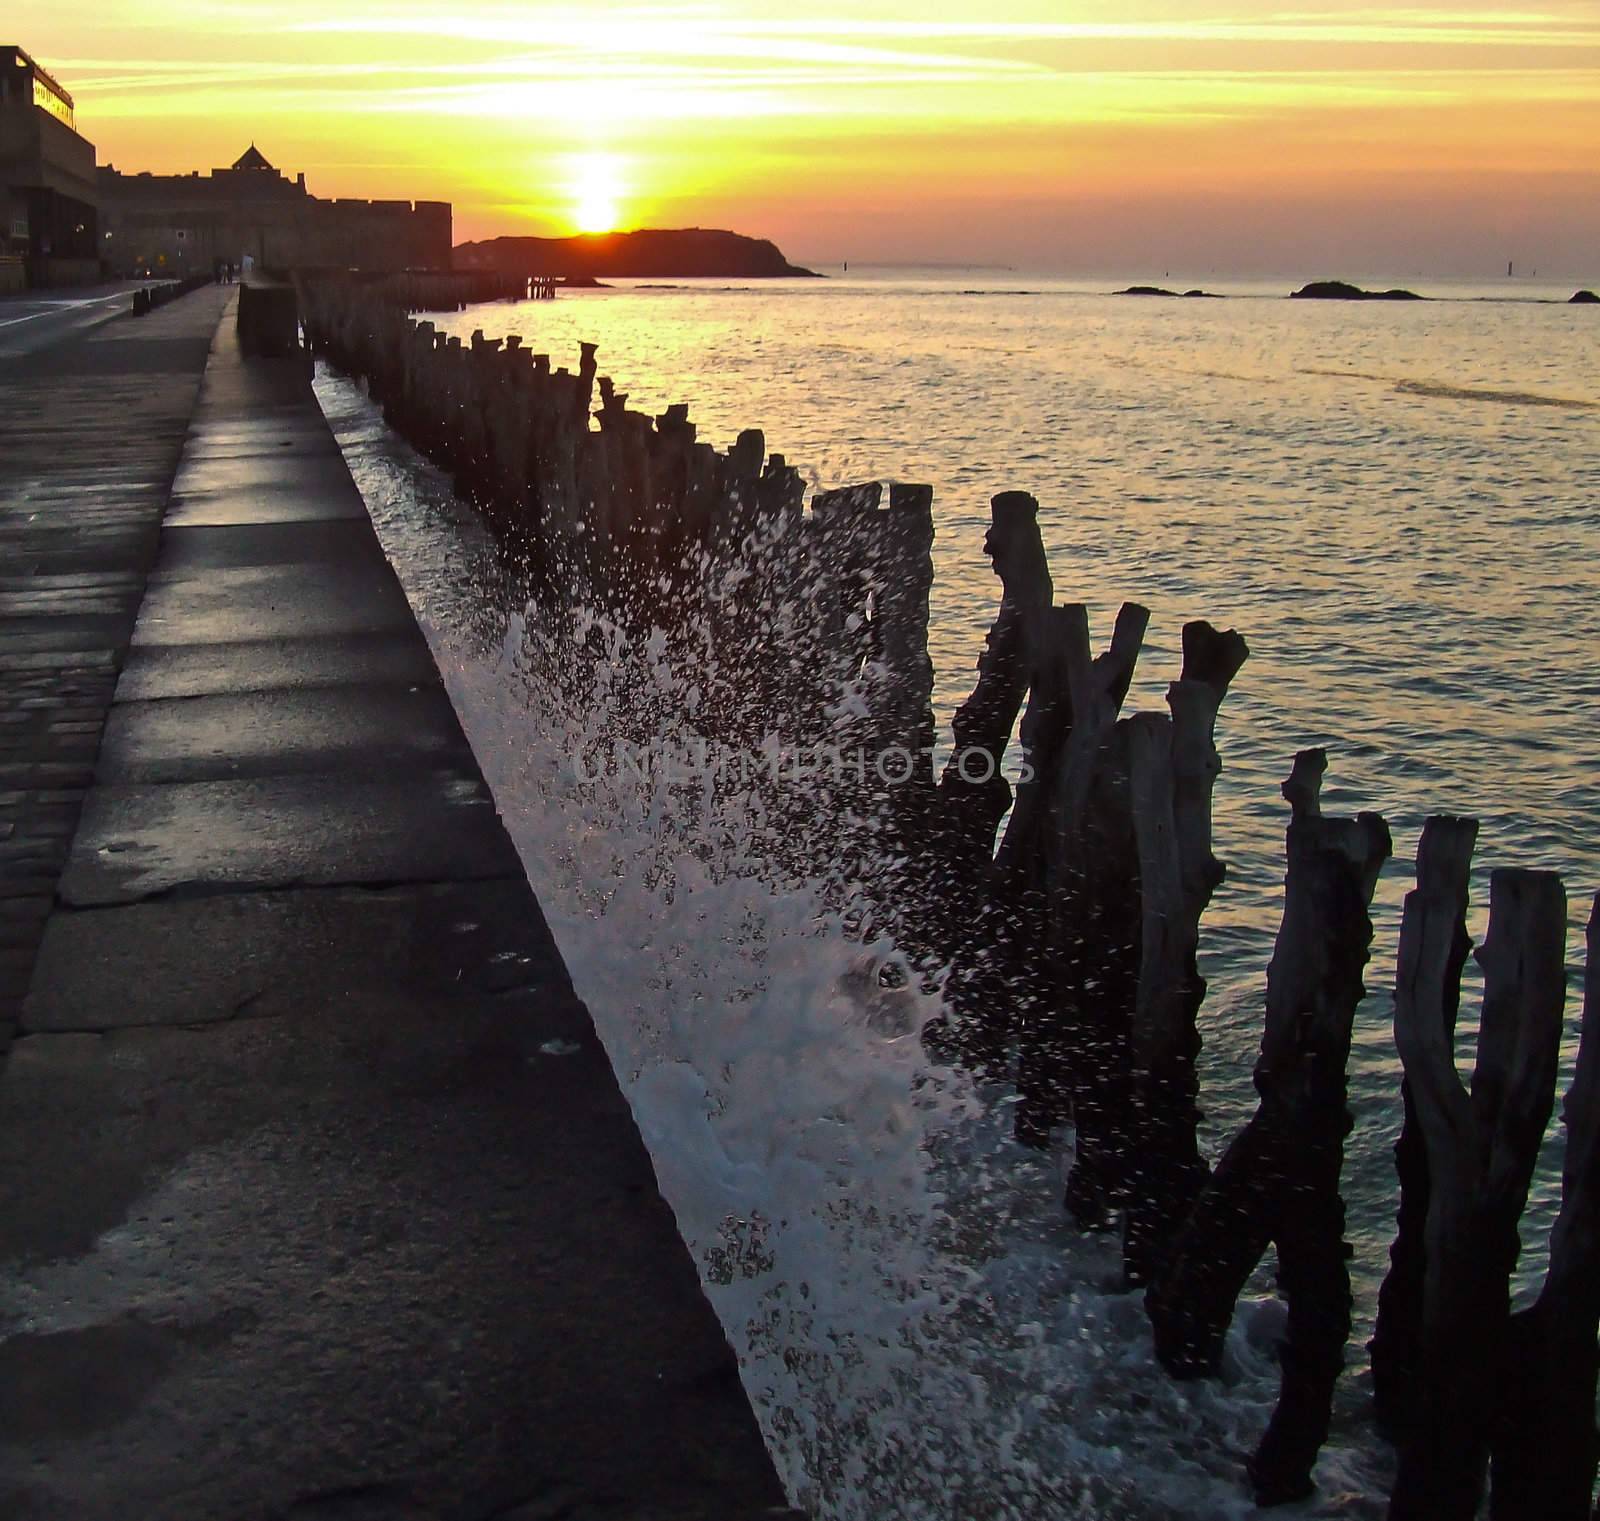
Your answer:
<point x="596" y="186"/>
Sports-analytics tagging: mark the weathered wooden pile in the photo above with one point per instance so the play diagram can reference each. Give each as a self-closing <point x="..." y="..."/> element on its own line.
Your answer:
<point x="516" y="435"/>
<point x="1068" y="946"/>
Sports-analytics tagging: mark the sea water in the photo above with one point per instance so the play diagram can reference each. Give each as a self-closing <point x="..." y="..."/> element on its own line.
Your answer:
<point x="1397" y="504"/>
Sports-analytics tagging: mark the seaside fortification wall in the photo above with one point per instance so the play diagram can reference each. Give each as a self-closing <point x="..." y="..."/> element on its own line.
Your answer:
<point x="187" y="222"/>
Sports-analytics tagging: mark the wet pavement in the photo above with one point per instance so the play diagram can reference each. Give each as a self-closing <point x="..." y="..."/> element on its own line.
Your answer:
<point x="91" y="431"/>
<point x="320" y="1198"/>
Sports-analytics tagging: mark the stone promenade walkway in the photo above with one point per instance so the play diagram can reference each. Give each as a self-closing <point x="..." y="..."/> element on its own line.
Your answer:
<point x="90" y="434"/>
<point x="318" y="1198"/>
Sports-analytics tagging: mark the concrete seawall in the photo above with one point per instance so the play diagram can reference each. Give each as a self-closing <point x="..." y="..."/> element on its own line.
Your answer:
<point x="320" y="1197"/>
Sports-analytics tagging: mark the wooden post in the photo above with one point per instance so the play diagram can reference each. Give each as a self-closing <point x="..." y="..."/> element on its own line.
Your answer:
<point x="843" y="521"/>
<point x="1211" y="659"/>
<point x="734" y="514"/>
<point x="1174" y="769"/>
<point x="1165" y="1170"/>
<point x="780" y="494"/>
<point x="1544" y="1447"/>
<point x="1095" y="942"/>
<point x="902" y="581"/>
<point x="1279" y="1178"/>
<point x="973" y="790"/>
<point x="1078" y="812"/>
<point x="976" y="929"/>
<point x="1043" y="898"/>
<point x="1032" y="966"/>
<point x="1444" y="863"/>
<point x="1481" y="1149"/>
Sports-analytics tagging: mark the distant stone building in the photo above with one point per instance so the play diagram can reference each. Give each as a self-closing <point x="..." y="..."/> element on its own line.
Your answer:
<point x="49" y="232"/>
<point x="63" y="222"/>
<point x="184" y="223"/>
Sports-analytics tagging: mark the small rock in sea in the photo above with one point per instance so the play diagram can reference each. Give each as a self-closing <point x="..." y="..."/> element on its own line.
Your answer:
<point x="1585" y="298"/>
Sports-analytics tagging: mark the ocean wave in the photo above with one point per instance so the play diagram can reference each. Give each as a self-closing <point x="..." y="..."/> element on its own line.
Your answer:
<point x="1230" y="375"/>
<point x="1344" y="374"/>
<point x="1442" y="391"/>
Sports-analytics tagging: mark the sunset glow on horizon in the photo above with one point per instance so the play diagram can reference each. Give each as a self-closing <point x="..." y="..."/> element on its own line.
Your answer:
<point x="1245" y="137"/>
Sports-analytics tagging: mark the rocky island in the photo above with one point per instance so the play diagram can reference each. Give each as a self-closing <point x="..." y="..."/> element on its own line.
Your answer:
<point x="1161" y="290"/>
<point x="687" y="252"/>
<point x="1339" y="290"/>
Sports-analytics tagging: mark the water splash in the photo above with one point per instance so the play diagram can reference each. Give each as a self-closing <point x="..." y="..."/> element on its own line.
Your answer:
<point x="921" y="1333"/>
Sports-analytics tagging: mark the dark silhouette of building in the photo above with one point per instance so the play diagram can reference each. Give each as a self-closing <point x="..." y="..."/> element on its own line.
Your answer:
<point x="64" y="222"/>
<point x="188" y="223"/>
<point x="49" y="233"/>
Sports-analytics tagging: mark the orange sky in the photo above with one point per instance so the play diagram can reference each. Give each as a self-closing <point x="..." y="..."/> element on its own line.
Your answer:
<point x="1234" y="136"/>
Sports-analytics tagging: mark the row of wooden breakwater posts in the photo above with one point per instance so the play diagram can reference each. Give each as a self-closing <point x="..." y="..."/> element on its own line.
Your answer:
<point x="1069" y="944"/>
<point x="439" y="290"/>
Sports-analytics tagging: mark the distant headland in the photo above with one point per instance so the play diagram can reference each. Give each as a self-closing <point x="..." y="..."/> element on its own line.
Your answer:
<point x="683" y="252"/>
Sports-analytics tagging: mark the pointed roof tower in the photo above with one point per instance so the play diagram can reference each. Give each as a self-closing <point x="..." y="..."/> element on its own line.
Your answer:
<point x="251" y="158"/>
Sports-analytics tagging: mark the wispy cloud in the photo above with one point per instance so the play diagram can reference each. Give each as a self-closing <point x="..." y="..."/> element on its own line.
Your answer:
<point x="697" y="62"/>
<point x="841" y="39"/>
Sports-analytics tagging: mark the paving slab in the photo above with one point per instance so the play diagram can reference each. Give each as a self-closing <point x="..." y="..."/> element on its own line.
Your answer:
<point x="264" y="601"/>
<point x="262" y="504"/>
<point x="94" y="497"/>
<point x="196" y="552"/>
<point x="370" y="730"/>
<point x="74" y="623"/>
<point x="281" y="831"/>
<point x="26" y="635"/>
<point x="284" y="439"/>
<point x="255" y="427"/>
<point x="281" y="470"/>
<point x="91" y="580"/>
<point x="79" y="541"/>
<point x="63" y="664"/>
<point x="193" y="670"/>
<point x="232" y="955"/>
